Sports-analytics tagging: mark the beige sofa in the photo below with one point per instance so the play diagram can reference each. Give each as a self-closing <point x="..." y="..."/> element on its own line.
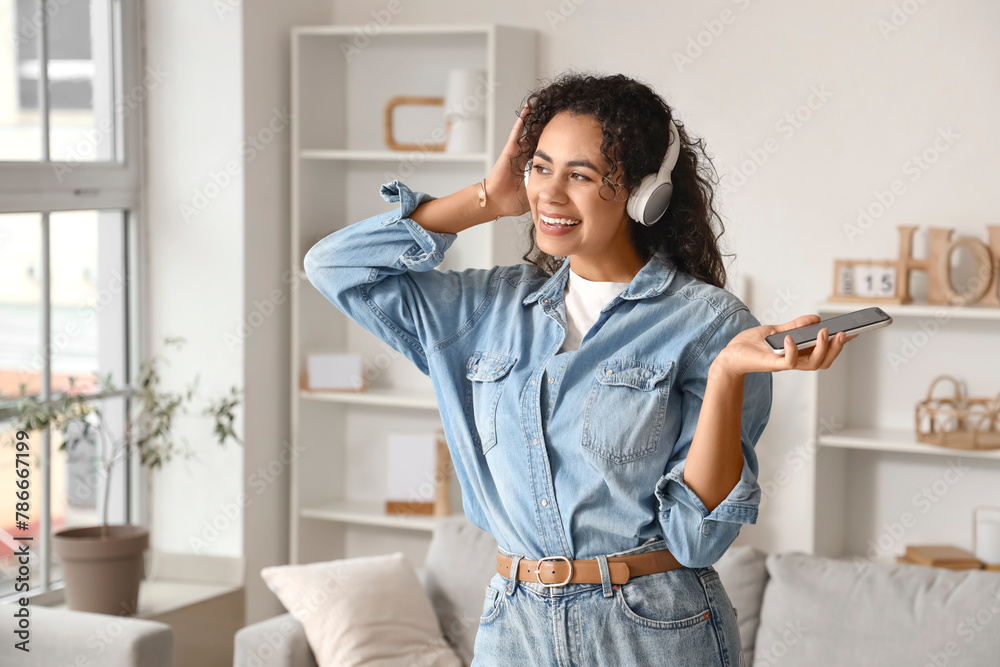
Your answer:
<point x="793" y="609"/>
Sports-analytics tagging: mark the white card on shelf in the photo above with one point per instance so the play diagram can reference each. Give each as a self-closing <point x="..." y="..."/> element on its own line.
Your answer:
<point x="412" y="467"/>
<point x="335" y="371"/>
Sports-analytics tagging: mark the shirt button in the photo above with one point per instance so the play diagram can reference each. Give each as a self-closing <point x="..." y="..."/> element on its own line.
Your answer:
<point x="534" y="441"/>
<point x="499" y="367"/>
<point x="608" y="372"/>
<point x="544" y="502"/>
<point x="476" y="367"/>
<point x="532" y="382"/>
<point x="551" y="380"/>
<point x="548" y="300"/>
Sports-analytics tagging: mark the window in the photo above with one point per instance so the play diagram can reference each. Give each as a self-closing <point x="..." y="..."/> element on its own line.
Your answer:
<point x="71" y="89"/>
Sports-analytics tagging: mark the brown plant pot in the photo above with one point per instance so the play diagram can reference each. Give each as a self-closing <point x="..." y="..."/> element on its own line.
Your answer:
<point x="102" y="575"/>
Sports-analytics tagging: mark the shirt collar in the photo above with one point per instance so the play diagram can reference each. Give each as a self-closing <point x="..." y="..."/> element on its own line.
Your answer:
<point x="652" y="280"/>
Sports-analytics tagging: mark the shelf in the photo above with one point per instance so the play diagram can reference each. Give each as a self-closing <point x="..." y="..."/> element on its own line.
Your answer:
<point x="371" y="513"/>
<point x="898" y="440"/>
<point x="917" y="310"/>
<point x="341" y="78"/>
<point x="177" y="581"/>
<point x="421" y="30"/>
<point x="388" y="156"/>
<point x="163" y="597"/>
<point x="396" y="398"/>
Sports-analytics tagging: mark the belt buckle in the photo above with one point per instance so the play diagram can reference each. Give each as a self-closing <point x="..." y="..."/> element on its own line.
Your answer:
<point x="559" y="583"/>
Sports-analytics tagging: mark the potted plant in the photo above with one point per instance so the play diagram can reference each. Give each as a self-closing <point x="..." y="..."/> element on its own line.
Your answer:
<point x="103" y="565"/>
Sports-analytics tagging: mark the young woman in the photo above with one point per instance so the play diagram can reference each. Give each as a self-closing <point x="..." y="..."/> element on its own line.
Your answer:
<point x="601" y="401"/>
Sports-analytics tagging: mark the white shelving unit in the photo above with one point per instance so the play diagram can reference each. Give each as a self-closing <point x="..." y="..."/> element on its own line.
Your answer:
<point x="875" y="487"/>
<point x="342" y="76"/>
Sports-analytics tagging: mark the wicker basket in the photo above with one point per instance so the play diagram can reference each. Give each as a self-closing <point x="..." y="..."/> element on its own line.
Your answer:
<point x="958" y="422"/>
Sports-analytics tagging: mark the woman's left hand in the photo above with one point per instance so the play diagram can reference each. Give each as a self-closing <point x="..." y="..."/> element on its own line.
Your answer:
<point x="748" y="352"/>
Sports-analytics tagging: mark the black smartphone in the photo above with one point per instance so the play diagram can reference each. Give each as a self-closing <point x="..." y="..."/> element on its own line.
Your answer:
<point x="850" y="323"/>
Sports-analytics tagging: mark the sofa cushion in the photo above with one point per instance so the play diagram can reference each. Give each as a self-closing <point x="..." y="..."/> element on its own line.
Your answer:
<point x="461" y="560"/>
<point x="826" y="611"/>
<point x="743" y="573"/>
<point x="362" y="611"/>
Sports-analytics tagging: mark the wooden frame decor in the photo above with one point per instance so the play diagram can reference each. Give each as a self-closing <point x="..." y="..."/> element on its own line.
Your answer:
<point x="888" y="281"/>
<point x="958" y="422"/>
<point x="390" y="139"/>
<point x="874" y="281"/>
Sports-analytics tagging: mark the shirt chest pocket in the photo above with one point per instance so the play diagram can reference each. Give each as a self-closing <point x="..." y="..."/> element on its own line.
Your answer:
<point x="487" y="373"/>
<point x="626" y="409"/>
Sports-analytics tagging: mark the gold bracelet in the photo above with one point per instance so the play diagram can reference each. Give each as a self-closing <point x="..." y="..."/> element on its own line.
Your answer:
<point x="481" y="186"/>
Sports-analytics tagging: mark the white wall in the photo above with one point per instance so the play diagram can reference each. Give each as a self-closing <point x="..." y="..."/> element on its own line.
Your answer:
<point x="266" y="307"/>
<point x="194" y="125"/>
<point x="218" y="126"/>
<point x="888" y="96"/>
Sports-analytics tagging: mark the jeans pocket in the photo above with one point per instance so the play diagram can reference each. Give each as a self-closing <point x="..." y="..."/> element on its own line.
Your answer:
<point x="487" y="373"/>
<point x="663" y="600"/>
<point x="491" y="605"/>
<point x="626" y="409"/>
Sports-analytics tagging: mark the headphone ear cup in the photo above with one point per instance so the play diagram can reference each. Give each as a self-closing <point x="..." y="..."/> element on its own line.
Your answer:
<point x="652" y="197"/>
<point x="636" y="205"/>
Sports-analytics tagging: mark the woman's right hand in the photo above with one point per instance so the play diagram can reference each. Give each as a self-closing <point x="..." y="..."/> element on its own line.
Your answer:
<point x="505" y="190"/>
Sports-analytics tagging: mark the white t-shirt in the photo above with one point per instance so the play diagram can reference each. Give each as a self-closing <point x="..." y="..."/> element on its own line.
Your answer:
<point x="584" y="301"/>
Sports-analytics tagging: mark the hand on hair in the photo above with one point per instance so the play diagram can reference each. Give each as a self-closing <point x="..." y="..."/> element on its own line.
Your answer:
<point x="505" y="190"/>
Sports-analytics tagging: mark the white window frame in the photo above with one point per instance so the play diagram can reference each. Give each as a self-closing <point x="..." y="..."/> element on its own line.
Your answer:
<point x="47" y="186"/>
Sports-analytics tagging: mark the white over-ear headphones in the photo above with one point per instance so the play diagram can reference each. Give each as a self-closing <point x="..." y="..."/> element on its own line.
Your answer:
<point x="652" y="197"/>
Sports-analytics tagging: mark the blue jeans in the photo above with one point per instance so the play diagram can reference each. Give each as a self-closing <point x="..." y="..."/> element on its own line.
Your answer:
<point x="678" y="618"/>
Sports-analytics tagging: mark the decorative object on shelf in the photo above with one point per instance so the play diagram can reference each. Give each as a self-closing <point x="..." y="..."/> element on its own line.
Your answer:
<point x="958" y="422"/>
<point x="888" y="281"/>
<point x="940" y="555"/>
<point x="390" y="137"/>
<point x="419" y="474"/>
<point x="465" y="111"/>
<point x="986" y="537"/>
<point x="334" y="372"/>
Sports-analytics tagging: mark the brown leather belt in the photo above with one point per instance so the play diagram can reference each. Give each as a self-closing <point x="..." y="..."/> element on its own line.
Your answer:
<point x="559" y="570"/>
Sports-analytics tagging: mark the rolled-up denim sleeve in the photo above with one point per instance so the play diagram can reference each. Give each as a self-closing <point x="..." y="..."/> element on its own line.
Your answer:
<point x="381" y="273"/>
<point x="695" y="536"/>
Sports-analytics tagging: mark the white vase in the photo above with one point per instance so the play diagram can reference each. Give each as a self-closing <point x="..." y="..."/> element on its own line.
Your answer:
<point x="467" y="135"/>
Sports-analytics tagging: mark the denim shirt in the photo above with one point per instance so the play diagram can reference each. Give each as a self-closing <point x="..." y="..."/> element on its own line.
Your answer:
<point x="573" y="454"/>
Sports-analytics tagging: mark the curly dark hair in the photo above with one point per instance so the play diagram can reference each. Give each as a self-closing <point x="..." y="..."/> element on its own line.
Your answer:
<point x="634" y="121"/>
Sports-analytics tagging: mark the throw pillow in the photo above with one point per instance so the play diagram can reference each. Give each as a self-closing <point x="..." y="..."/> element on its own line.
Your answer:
<point x="367" y="611"/>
